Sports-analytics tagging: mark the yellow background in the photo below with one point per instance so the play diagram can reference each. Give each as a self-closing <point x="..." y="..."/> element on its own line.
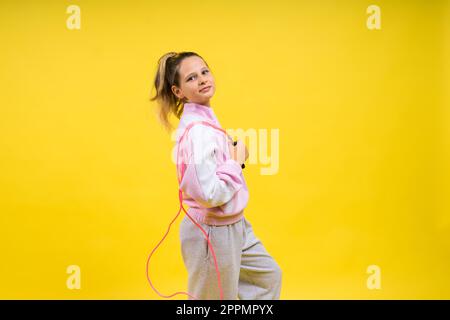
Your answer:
<point x="364" y="126"/>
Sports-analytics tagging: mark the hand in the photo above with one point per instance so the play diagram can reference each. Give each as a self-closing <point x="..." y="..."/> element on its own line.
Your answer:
<point x="238" y="152"/>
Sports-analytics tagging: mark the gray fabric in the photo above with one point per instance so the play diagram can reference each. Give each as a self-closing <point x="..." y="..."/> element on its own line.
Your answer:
<point x="247" y="271"/>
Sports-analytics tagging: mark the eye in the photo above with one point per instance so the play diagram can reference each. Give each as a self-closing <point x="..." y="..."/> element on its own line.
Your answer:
<point x="193" y="76"/>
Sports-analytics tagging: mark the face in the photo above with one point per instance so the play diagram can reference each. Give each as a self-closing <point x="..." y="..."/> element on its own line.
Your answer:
<point x="194" y="76"/>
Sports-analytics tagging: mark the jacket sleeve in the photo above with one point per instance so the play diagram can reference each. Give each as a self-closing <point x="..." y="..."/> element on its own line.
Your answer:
<point x="208" y="183"/>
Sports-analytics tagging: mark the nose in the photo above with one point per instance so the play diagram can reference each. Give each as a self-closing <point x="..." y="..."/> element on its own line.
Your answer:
<point x="202" y="79"/>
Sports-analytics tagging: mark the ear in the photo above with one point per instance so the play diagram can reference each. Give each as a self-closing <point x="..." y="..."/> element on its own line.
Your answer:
<point x="177" y="92"/>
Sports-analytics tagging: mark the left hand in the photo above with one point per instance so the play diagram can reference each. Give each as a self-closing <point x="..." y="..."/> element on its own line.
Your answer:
<point x="238" y="152"/>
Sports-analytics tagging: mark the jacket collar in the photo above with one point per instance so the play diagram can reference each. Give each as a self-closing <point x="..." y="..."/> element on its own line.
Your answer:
<point x="199" y="109"/>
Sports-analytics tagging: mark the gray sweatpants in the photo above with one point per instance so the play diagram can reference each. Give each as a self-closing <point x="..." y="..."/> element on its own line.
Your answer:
<point x="247" y="271"/>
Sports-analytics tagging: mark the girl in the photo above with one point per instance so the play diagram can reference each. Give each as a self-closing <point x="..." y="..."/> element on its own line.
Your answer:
<point x="214" y="189"/>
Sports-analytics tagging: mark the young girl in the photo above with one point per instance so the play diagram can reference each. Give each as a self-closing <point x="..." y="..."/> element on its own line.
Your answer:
<point x="214" y="189"/>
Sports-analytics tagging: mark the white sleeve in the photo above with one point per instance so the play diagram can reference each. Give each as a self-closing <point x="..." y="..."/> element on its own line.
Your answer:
<point x="205" y="181"/>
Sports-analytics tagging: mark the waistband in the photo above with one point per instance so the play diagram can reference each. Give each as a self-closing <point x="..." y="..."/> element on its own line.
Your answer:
<point x="213" y="219"/>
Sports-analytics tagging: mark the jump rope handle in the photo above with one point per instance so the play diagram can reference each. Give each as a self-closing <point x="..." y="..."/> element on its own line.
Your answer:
<point x="234" y="144"/>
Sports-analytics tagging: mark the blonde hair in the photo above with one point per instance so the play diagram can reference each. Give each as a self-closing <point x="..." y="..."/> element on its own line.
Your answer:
<point x="167" y="75"/>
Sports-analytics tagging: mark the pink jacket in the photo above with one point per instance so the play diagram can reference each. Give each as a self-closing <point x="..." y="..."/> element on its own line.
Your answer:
<point x="213" y="185"/>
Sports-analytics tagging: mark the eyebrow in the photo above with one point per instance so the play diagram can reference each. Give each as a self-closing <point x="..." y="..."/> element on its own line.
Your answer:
<point x="190" y="74"/>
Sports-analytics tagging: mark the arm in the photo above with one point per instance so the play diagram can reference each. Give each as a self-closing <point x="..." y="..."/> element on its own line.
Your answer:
<point x="204" y="180"/>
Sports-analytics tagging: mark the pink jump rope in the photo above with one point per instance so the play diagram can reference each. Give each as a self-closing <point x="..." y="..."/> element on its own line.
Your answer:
<point x="180" y="197"/>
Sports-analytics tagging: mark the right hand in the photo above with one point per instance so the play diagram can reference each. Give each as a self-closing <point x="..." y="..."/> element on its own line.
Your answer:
<point x="239" y="152"/>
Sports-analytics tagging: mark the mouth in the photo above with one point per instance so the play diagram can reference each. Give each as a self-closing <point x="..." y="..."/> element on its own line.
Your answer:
<point x="205" y="89"/>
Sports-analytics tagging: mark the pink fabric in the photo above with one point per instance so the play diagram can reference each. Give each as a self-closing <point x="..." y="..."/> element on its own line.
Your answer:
<point x="213" y="184"/>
